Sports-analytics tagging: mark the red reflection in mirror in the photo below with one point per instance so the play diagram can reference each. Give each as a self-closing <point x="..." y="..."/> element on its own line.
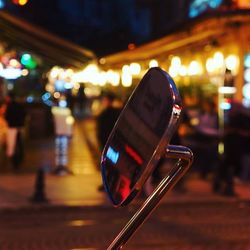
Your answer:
<point x="133" y="154"/>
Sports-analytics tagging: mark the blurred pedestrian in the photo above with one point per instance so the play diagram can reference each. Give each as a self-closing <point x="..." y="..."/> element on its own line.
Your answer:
<point x="15" y="117"/>
<point x="207" y="136"/>
<point x="81" y="99"/>
<point x="3" y="125"/>
<point x="230" y="159"/>
<point x="3" y="133"/>
<point x="243" y="132"/>
<point x="106" y="120"/>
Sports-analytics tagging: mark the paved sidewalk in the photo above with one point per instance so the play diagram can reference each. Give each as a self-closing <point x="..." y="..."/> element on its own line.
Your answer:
<point x="81" y="188"/>
<point x="78" y="188"/>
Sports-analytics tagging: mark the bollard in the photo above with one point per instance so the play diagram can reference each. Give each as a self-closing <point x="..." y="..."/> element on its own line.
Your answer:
<point x="39" y="194"/>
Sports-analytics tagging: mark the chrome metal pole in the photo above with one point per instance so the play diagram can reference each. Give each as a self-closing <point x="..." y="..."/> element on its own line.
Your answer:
<point x="185" y="158"/>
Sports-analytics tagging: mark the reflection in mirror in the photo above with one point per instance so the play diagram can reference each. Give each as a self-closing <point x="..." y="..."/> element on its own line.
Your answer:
<point x="140" y="136"/>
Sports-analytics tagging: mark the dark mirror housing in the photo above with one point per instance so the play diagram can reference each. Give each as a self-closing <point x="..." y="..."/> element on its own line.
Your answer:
<point x="140" y="136"/>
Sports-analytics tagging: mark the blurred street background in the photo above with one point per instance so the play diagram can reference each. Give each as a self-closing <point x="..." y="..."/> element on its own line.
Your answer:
<point x="65" y="64"/>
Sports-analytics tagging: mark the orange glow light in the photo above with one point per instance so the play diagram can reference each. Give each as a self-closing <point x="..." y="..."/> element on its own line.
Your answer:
<point x="20" y="2"/>
<point x="131" y="46"/>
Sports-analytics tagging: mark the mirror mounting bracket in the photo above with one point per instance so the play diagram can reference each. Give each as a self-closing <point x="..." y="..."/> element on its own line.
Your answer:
<point x="185" y="158"/>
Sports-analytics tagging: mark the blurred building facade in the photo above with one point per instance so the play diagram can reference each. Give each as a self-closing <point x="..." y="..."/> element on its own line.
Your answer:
<point x="116" y="23"/>
<point x="208" y="52"/>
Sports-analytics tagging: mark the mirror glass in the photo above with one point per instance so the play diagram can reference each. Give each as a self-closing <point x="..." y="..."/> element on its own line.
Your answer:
<point x="140" y="136"/>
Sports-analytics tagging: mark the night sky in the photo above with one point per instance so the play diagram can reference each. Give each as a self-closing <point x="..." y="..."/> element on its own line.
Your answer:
<point x="104" y="26"/>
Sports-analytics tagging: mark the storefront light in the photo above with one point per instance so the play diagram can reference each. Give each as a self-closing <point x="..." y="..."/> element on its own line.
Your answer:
<point x="93" y="79"/>
<point x="68" y="85"/>
<point x="183" y="70"/>
<point x="54" y="72"/>
<point x="30" y="99"/>
<point x="247" y="60"/>
<point x="28" y="61"/>
<point x="56" y="95"/>
<point x="62" y="74"/>
<point x="10" y="73"/>
<point x="79" y="76"/>
<point x="135" y="68"/>
<point x="246" y="91"/>
<point x="231" y="62"/>
<point x="125" y="69"/>
<point x="101" y="78"/>
<point x="173" y="71"/>
<point x="76" y="85"/>
<point x="194" y="68"/>
<point x="246" y="102"/>
<point x="20" y="2"/>
<point x="69" y="72"/>
<point x="14" y="63"/>
<point x="46" y="96"/>
<point x="113" y="77"/>
<point x="102" y="60"/>
<point x="49" y="88"/>
<point x="126" y="79"/>
<point x="25" y="72"/>
<point x="176" y="61"/>
<point x="247" y="75"/>
<point x="91" y="68"/>
<point x="153" y="63"/>
<point x="116" y="79"/>
<point x="218" y="60"/>
<point x="225" y="105"/>
<point x="210" y="65"/>
<point x="88" y="74"/>
<point x="59" y="85"/>
<point x="227" y="90"/>
<point x="62" y="103"/>
<point x="221" y="148"/>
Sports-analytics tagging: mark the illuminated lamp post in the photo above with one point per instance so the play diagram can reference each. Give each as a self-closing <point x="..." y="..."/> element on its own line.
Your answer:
<point x="224" y="69"/>
<point x="216" y="67"/>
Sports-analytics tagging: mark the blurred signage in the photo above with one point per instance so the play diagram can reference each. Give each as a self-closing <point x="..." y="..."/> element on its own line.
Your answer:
<point x="243" y="3"/>
<point x="198" y="7"/>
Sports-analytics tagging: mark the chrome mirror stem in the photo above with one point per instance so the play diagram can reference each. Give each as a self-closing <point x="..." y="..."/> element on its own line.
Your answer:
<point x="185" y="158"/>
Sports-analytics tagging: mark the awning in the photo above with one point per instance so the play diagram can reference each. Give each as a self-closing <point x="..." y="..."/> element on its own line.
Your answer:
<point x="52" y="49"/>
<point x="196" y="33"/>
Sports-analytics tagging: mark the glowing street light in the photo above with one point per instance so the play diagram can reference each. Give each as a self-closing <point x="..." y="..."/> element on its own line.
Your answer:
<point x="218" y="60"/>
<point x="153" y="63"/>
<point x="126" y="79"/>
<point x="176" y="61"/>
<point x="135" y="68"/>
<point x="194" y="68"/>
<point x="232" y="62"/>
